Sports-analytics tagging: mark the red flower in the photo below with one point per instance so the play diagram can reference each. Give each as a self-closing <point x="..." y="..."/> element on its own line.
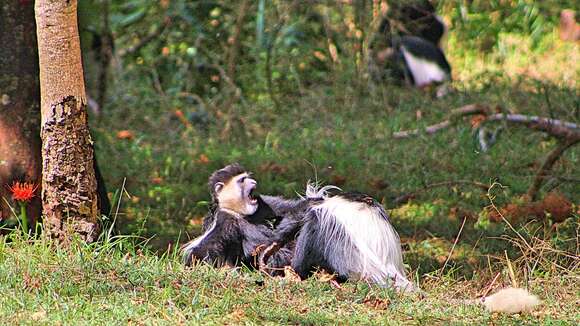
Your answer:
<point x="22" y="191"/>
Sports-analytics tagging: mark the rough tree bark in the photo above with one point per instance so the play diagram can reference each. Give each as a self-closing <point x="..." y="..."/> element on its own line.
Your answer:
<point x="19" y="102"/>
<point x="68" y="181"/>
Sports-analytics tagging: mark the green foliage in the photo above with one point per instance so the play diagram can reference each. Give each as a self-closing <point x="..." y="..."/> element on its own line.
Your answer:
<point x="481" y="23"/>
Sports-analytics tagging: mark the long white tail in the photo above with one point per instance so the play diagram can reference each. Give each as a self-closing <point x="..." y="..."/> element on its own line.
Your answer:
<point x="361" y="243"/>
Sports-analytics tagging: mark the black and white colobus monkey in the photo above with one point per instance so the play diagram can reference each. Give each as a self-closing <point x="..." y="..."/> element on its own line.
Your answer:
<point x="407" y="46"/>
<point x="347" y="234"/>
<point x="234" y="226"/>
<point x="415" y="18"/>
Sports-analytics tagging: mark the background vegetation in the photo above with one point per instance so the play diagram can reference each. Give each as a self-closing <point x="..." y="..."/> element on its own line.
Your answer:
<point x="282" y="88"/>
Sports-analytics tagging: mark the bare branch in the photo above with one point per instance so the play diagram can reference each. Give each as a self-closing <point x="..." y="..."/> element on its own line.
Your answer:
<point x="557" y="128"/>
<point x="428" y="130"/>
<point x="554" y="127"/>
<point x="548" y="164"/>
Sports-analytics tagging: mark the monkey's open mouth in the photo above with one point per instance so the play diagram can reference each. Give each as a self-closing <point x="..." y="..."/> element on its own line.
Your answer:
<point x="252" y="197"/>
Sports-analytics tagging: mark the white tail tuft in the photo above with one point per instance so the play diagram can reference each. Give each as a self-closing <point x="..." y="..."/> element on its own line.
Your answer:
<point x="511" y="301"/>
<point x="314" y="191"/>
<point x="361" y="242"/>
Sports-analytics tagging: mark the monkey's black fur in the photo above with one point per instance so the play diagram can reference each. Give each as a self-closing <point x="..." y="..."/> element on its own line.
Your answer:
<point x="418" y="18"/>
<point x="304" y="227"/>
<point x="232" y="240"/>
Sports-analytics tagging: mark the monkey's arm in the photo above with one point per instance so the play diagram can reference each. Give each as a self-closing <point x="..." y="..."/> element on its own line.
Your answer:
<point x="286" y="207"/>
<point x="287" y="229"/>
<point x="293" y="213"/>
<point x="284" y="233"/>
<point x="213" y="245"/>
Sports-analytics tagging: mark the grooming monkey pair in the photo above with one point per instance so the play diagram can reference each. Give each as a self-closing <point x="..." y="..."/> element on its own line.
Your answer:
<point x="347" y="234"/>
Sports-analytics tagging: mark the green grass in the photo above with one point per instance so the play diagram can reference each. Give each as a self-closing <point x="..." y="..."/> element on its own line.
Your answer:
<point x="116" y="282"/>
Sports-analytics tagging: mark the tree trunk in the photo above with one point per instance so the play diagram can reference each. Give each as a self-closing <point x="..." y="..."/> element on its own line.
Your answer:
<point x="68" y="180"/>
<point x="19" y="103"/>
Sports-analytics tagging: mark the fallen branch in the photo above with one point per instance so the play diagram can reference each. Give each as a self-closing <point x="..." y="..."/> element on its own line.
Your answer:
<point x="547" y="166"/>
<point x="408" y="196"/>
<point x="554" y="127"/>
<point x="470" y="109"/>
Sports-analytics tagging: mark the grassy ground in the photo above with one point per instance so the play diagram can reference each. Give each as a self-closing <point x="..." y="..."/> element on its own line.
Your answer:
<point x="117" y="283"/>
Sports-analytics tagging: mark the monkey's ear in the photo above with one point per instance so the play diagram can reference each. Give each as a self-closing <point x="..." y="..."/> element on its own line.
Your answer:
<point x="218" y="187"/>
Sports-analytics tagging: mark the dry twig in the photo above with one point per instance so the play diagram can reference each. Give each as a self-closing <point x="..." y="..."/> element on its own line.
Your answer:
<point x="547" y="166"/>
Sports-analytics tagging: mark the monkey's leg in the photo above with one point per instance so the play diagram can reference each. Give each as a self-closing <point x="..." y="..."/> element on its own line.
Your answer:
<point x="309" y="252"/>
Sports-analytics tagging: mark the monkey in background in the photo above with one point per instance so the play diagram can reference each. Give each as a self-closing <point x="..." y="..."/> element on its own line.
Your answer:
<point x="414" y="18"/>
<point x="347" y="234"/>
<point x="407" y="48"/>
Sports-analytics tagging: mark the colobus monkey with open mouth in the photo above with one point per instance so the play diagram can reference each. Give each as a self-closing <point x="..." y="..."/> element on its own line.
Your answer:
<point x="347" y="234"/>
<point x="234" y="226"/>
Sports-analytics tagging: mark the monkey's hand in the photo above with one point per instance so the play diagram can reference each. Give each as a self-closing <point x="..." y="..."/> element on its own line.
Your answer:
<point x="265" y="254"/>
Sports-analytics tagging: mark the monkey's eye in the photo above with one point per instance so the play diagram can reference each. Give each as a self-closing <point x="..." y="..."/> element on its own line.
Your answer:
<point x="241" y="180"/>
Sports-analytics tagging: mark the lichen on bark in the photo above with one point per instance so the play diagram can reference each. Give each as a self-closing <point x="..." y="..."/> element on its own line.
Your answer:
<point x="69" y="185"/>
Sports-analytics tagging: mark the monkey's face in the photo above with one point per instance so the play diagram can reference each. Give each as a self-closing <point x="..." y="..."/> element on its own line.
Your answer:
<point x="237" y="194"/>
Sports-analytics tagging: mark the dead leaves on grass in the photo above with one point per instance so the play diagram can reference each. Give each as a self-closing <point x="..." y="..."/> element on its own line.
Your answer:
<point x="377" y="303"/>
<point x="554" y="206"/>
